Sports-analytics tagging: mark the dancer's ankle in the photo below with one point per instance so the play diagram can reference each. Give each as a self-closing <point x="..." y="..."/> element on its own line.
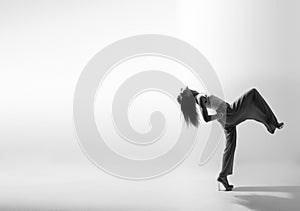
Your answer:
<point x="280" y="125"/>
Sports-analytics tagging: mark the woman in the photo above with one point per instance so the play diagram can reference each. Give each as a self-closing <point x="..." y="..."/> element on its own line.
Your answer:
<point x="250" y="105"/>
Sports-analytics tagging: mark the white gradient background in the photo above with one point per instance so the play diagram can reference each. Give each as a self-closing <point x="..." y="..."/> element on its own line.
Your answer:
<point x="45" y="45"/>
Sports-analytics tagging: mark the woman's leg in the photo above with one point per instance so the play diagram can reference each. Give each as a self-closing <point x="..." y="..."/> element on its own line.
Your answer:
<point x="252" y="105"/>
<point x="267" y="117"/>
<point x="228" y="155"/>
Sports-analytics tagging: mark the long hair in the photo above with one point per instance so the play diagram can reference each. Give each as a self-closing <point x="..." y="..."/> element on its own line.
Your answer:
<point x="188" y="107"/>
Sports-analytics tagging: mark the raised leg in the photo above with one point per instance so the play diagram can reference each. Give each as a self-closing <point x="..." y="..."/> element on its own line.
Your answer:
<point x="266" y="115"/>
<point x="252" y="105"/>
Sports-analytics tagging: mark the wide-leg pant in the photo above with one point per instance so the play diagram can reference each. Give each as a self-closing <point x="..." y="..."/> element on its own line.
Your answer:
<point x="250" y="105"/>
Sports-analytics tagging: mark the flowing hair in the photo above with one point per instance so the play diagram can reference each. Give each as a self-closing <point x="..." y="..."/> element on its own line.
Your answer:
<point x="189" y="110"/>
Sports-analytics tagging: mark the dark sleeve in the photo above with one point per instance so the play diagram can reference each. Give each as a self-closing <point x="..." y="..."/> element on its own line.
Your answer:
<point x="203" y="109"/>
<point x="194" y="92"/>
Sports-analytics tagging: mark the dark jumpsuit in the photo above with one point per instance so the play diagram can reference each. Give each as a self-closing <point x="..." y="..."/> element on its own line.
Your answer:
<point x="250" y="105"/>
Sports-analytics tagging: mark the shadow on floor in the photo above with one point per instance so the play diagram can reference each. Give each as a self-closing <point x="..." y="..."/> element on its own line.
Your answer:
<point x="269" y="198"/>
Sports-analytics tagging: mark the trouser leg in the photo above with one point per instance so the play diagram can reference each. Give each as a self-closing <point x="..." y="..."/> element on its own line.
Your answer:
<point x="252" y="105"/>
<point x="268" y="118"/>
<point x="228" y="155"/>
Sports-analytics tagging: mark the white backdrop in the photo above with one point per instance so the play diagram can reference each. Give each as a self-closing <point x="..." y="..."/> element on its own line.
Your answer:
<point x="45" y="46"/>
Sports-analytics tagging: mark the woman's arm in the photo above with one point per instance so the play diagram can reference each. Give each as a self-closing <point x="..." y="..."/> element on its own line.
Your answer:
<point x="206" y="117"/>
<point x="194" y="92"/>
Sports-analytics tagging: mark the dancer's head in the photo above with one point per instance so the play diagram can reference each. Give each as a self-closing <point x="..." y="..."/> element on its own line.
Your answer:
<point x="188" y="105"/>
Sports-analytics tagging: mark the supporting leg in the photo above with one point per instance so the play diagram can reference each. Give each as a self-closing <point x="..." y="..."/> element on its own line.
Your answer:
<point x="228" y="155"/>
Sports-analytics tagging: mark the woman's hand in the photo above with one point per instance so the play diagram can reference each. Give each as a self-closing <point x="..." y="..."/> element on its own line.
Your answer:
<point x="219" y="115"/>
<point x="206" y="117"/>
<point x="216" y="116"/>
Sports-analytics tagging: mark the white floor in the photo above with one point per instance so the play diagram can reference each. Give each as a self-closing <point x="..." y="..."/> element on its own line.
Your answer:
<point x="259" y="187"/>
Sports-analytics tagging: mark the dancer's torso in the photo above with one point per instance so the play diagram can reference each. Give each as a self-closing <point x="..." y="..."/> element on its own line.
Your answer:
<point x="220" y="106"/>
<point x="216" y="104"/>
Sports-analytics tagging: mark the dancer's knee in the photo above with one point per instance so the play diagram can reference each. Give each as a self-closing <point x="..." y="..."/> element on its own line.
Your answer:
<point x="254" y="90"/>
